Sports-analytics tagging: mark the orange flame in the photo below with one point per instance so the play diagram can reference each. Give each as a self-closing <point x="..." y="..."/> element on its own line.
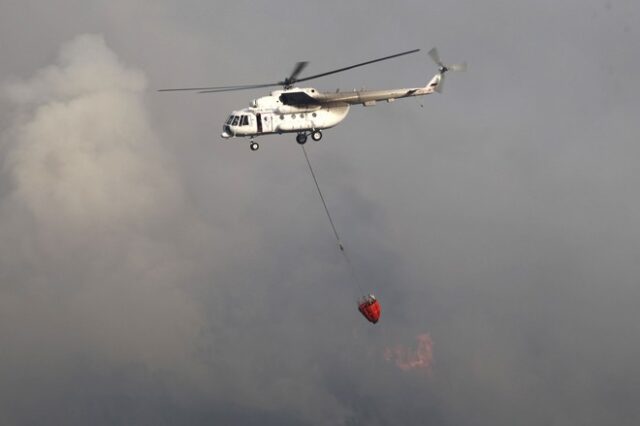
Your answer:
<point x="408" y="359"/>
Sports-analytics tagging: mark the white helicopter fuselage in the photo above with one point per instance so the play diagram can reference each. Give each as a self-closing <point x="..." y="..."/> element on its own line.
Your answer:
<point x="268" y="115"/>
<point x="299" y="110"/>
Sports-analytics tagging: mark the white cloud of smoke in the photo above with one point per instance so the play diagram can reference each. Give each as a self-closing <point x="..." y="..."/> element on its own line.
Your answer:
<point x="101" y="256"/>
<point x="93" y="229"/>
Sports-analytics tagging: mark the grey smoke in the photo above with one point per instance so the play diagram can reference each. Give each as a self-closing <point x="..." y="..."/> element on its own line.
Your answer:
<point x="102" y="258"/>
<point x="150" y="273"/>
<point x="88" y="273"/>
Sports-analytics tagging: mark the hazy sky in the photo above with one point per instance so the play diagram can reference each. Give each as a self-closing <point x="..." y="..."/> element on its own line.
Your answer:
<point x="153" y="273"/>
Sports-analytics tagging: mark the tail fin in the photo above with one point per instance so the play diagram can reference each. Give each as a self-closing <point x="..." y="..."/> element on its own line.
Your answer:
<point x="433" y="84"/>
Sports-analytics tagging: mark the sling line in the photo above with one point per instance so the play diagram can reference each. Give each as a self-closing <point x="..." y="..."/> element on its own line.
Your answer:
<point x="333" y="226"/>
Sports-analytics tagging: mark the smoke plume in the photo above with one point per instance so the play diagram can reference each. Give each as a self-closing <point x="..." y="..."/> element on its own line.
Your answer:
<point x="103" y="260"/>
<point x="95" y="238"/>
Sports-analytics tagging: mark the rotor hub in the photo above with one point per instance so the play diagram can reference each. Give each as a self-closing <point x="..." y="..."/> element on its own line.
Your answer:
<point x="288" y="83"/>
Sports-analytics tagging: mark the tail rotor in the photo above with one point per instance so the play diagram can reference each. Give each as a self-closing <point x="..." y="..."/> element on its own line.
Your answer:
<point x="433" y="53"/>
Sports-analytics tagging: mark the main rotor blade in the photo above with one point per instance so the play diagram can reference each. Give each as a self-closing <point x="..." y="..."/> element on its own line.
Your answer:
<point x="357" y="65"/>
<point x="233" y="89"/>
<point x="222" y="88"/>
<point x="297" y="70"/>
<point x="299" y="67"/>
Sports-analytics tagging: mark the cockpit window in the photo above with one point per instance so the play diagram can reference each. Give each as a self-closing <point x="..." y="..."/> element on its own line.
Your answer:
<point x="235" y="120"/>
<point x="245" y="120"/>
<point x="230" y="119"/>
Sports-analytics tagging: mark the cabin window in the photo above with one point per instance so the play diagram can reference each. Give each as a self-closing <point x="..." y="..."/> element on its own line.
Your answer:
<point x="293" y="116"/>
<point x="314" y="114"/>
<point x="282" y="117"/>
<point x="235" y="120"/>
<point x="245" y="120"/>
<point x="230" y="119"/>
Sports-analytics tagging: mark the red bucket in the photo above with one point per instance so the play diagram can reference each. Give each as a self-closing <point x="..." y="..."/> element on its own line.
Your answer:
<point x="369" y="307"/>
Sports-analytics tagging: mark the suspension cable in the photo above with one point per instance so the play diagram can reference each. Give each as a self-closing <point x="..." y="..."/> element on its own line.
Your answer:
<point x="333" y="226"/>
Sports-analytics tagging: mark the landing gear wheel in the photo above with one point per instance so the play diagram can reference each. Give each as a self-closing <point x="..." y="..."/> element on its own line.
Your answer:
<point x="254" y="146"/>
<point x="316" y="135"/>
<point x="301" y="138"/>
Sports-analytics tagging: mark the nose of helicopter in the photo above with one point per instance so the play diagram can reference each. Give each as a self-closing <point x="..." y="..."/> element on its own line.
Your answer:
<point x="226" y="132"/>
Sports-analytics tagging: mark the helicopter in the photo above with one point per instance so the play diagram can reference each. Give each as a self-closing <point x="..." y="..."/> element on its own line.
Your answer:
<point x="307" y="111"/>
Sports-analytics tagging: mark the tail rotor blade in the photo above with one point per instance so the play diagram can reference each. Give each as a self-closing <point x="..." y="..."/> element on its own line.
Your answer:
<point x="435" y="56"/>
<point x="458" y="67"/>
<point x="433" y="53"/>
